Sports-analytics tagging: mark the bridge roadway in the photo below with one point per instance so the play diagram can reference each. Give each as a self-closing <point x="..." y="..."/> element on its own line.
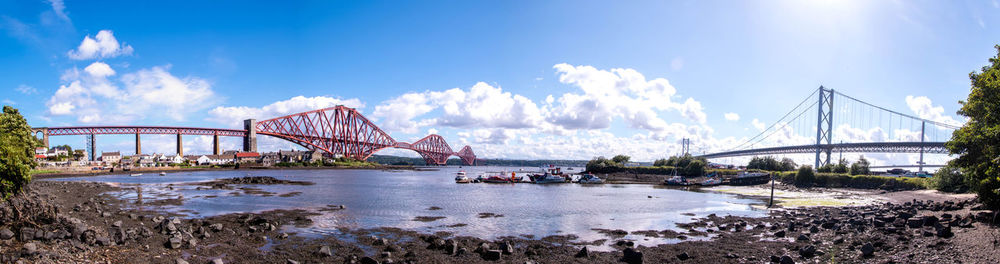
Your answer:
<point x="874" y="147"/>
<point x="139" y="130"/>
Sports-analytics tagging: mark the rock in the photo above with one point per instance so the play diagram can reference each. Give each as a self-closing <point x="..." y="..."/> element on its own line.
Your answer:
<point x="780" y="233"/>
<point x="867" y="250"/>
<point x="117" y="224"/>
<point x="289" y="261"/>
<point x="180" y="261"/>
<point x="631" y="256"/>
<point x="775" y="259"/>
<point x="393" y="248"/>
<point x="6" y="234"/>
<point x="385" y="255"/>
<point x="325" y="251"/>
<point x="492" y="255"/>
<point x="583" y="253"/>
<point x="89" y="237"/>
<point x="451" y="248"/>
<point x="507" y="248"/>
<point x="104" y="241"/>
<point x="683" y="256"/>
<point x="930" y="220"/>
<point x="217" y="261"/>
<point x="27" y="234"/>
<point x="899" y="222"/>
<point x="216" y="227"/>
<point x="915" y="223"/>
<point x="838" y="241"/>
<point x="30" y="248"/>
<point x="807" y="251"/>
<point x="368" y="260"/>
<point x="813" y="229"/>
<point x="786" y="260"/>
<point x="174" y="242"/>
<point x="945" y="232"/>
<point x="192" y="243"/>
<point x="106" y="214"/>
<point x="803" y="237"/>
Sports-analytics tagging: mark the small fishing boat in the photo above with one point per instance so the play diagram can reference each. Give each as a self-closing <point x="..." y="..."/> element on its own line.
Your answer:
<point x="502" y="177"/>
<point x="461" y="178"/>
<point x="750" y="178"/>
<point x="162" y="173"/>
<point x="711" y="182"/>
<point x="589" y="179"/>
<point x="548" y="178"/>
<point x="135" y="174"/>
<point x="677" y="180"/>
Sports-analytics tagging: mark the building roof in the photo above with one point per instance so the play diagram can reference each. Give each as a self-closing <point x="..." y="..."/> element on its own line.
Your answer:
<point x="116" y="153"/>
<point x="247" y="155"/>
<point x="39" y="156"/>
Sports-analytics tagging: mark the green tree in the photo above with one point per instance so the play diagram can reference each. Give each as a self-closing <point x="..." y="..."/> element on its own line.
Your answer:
<point x="660" y="163"/>
<point x="788" y="164"/>
<point x="621" y="159"/>
<point x="950" y="179"/>
<point x="841" y="166"/>
<point x="695" y="168"/>
<point x="17" y="147"/>
<point x="805" y="176"/>
<point x="977" y="143"/>
<point x="860" y="167"/>
<point x="825" y="168"/>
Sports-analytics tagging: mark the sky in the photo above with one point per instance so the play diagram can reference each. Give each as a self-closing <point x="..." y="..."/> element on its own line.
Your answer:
<point x="512" y="79"/>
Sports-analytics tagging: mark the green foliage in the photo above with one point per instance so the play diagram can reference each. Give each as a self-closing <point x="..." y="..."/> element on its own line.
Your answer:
<point x="977" y="143"/>
<point x="16" y="152"/>
<point x="825" y="168"/>
<point x="694" y="168"/>
<point x="805" y="176"/>
<point x="840" y="167"/>
<point x="601" y="164"/>
<point x="686" y="165"/>
<point x="860" y="167"/>
<point x="771" y="164"/>
<point x="621" y="159"/>
<point x="660" y="163"/>
<point x="950" y="179"/>
<point x="838" y="180"/>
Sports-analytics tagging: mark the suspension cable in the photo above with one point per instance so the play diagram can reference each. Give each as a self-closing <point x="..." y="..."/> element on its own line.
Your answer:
<point x="776" y="122"/>
<point x="898" y="113"/>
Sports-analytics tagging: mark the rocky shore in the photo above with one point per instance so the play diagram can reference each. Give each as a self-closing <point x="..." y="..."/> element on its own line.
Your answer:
<point x="73" y="222"/>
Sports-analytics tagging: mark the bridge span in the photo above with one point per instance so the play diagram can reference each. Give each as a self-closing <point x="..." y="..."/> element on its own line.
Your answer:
<point x="866" y="147"/>
<point x="336" y="130"/>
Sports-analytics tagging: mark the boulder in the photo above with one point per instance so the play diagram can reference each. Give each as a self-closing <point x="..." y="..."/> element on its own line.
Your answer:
<point x="683" y="256"/>
<point x="325" y="251"/>
<point x="174" y="242"/>
<point x="368" y="260"/>
<point x="27" y="234"/>
<point x="803" y="237"/>
<point x="216" y="227"/>
<point x="930" y="220"/>
<point x="30" y="248"/>
<point x="867" y="250"/>
<point x="583" y="253"/>
<point x="180" y="261"/>
<point x="813" y="229"/>
<point x="780" y="233"/>
<point x="786" y="260"/>
<point x="631" y="256"/>
<point x="492" y="255"/>
<point x="899" y="222"/>
<point x="217" y="261"/>
<point x="6" y="234"/>
<point x="807" y="251"/>
<point x="507" y="248"/>
<point x="289" y="261"/>
<point x="945" y="232"/>
<point x="915" y="223"/>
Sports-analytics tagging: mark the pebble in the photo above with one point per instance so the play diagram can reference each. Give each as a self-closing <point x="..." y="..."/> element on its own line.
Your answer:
<point x="325" y="251"/>
<point x="180" y="261"/>
<point x="583" y="253"/>
<point x="6" y="234"/>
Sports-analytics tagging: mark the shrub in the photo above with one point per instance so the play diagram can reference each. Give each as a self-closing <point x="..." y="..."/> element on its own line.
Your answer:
<point x="949" y="179"/>
<point x="805" y="176"/>
<point x="860" y="167"/>
<point x="695" y="168"/>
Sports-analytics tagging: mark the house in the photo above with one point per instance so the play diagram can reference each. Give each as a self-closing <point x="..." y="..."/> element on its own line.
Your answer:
<point x="82" y="154"/>
<point x="247" y="157"/>
<point x="58" y="151"/>
<point x="144" y="160"/>
<point x="269" y="159"/>
<point x="172" y="159"/>
<point x="220" y="159"/>
<point x="40" y="157"/>
<point x="111" y="157"/>
<point x="41" y="150"/>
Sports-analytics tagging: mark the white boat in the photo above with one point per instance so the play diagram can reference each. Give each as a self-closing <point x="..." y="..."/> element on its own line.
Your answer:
<point x="461" y="178"/>
<point x="135" y="174"/>
<point x="163" y="173"/>
<point x="589" y="179"/>
<point x="711" y="182"/>
<point x="548" y="178"/>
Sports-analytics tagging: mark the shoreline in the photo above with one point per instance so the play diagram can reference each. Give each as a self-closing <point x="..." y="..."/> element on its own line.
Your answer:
<point x="71" y="174"/>
<point x="87" y="224"/>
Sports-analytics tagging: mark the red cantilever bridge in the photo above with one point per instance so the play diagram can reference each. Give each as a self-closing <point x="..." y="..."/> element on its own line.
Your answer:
<point x="336" y="130"/>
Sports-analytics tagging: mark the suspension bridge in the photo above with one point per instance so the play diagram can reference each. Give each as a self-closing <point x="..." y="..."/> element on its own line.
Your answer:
<point x="860" y="127"/>
<point x="337" y="131"/>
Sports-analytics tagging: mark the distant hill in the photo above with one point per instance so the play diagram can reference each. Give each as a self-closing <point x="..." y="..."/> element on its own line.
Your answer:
<point x="396" y="160"/>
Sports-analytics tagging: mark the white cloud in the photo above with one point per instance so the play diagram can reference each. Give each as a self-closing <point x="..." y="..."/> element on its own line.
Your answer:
<point x="9" y="102"/>
<point x="732" y="116"/>
<point x="60" y="9"/>
<point x="233" y="116"/>
<point x="26" y="90"/>
<point x="481" y="106"/>
<point x="924" y="108"/>
<point x="94" y="98"/>
<point x="105" y="46"/>
<point x="757" y="124"/>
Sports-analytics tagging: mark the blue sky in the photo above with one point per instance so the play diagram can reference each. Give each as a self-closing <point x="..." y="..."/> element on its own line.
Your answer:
<point x="514" y="79"/>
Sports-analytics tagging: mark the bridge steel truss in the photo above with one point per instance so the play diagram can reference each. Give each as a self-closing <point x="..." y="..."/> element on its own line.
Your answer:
<point x="344" y="131"/>
<point x="130" y="130"/>
<point x="867" y="147"/>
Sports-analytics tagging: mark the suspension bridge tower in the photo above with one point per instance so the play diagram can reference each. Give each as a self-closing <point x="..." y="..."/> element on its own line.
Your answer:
<point x="824" y="126"/>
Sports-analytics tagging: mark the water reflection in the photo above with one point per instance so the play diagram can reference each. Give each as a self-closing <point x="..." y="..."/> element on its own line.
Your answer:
<point x="394" y="198"/>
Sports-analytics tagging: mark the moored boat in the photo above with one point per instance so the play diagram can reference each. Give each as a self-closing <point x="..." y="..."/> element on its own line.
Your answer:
<point x="163" y="173"/>
<point x="460" y="177"/>
<point x="750" y="178"/>
<point x="677" y="180"/>
<point x="711" y="182"/>
<point x="589" y="179"/>
<point x="135" y="174"/>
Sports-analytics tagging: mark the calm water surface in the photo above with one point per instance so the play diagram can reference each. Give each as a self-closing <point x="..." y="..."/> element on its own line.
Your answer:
<point x="377" y="198"/>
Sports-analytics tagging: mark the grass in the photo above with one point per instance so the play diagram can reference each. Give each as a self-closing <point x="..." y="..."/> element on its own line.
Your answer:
<point x="36" y="172"/>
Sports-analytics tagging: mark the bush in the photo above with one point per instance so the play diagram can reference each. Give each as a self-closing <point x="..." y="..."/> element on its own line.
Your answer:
<point x="16" y="152"/>
<point x="860" y="167"/>
<point x="695" y="168"/>
<point x="805" y="176"/>
<point x="836" y="180"/>
<point x="950" y="179"/>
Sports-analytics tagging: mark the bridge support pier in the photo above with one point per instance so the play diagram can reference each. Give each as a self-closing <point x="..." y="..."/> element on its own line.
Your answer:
<point x="138" y="145"/>
<point x="45" y="138"/>
<point x="93" y="147"/>
<point x="180" y="146"/>
<point x="250" y="140"/>
<point x="215" y="144"/>
<point x="921" y="162"/>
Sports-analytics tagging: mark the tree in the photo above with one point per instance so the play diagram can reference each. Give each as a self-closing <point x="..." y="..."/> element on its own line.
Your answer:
<point x="841" y="167"/>
<point x="17" y="147"/>
<point x="660" y="163"/>
<point x="977" y="142"/>
<point x="860" y="167"/>
<point x="695" y="168"/>
<point x="621" y="159"/>
<point x="825" y="168"/>
<point x="788" y="164"/>
<point x="805" y="176"/>
<point x="950" y="179"/>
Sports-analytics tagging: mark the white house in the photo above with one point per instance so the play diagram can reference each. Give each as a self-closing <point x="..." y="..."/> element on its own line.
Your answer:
<point x="172" y="159"/>
<point x="111" y="157"/>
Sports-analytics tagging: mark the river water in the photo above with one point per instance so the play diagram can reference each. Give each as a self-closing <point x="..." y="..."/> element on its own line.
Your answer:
<point x="375" y="198"/>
